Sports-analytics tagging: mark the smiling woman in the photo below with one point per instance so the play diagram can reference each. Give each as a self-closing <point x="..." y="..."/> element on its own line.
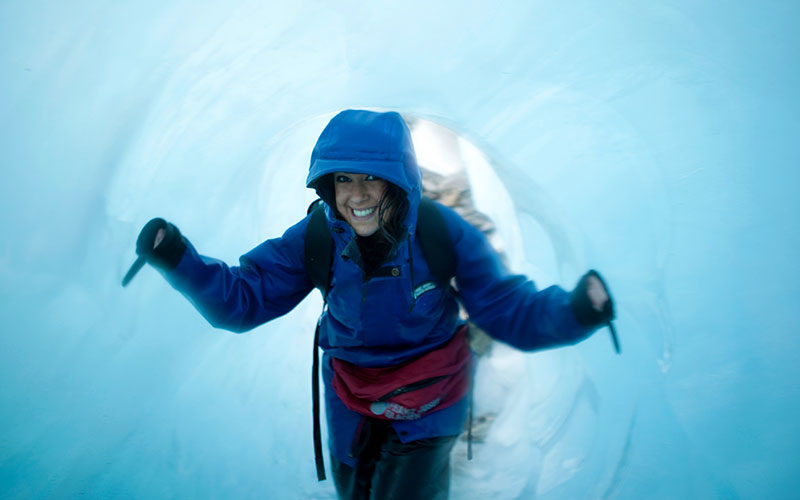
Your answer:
<point x="358" y="197"/>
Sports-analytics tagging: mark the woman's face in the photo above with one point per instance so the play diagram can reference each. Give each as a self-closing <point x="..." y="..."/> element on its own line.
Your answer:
<point x="357" y="199"/>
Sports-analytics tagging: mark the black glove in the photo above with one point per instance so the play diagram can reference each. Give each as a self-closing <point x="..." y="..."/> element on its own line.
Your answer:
<point x="582" y="307"/>
<point x="169" y="251"/>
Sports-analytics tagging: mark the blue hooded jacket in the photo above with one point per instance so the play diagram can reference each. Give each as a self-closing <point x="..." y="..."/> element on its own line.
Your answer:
<point x="395" y="314"/>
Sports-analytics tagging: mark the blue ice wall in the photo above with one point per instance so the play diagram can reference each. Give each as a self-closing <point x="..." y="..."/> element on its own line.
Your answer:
<point x="656" y="141"/>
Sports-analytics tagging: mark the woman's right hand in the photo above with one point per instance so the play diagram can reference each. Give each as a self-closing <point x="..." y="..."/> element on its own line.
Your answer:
<point x="151" y="235"/>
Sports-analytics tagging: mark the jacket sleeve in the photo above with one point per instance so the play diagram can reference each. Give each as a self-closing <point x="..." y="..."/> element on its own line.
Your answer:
<point x="269" y="281"/>
<point x="508" y="307"/>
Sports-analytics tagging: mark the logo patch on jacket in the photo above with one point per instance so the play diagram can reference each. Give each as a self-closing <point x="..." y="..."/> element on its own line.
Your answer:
<point x="425" y="287"/>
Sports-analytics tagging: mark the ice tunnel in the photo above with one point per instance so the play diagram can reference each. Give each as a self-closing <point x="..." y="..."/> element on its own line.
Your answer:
<point x="657" y="142"/>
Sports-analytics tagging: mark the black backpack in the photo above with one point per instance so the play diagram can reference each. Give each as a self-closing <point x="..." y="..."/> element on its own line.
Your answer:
<point x="432" y="235"/>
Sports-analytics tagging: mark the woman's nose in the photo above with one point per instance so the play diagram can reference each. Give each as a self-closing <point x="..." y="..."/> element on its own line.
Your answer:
<point x="359" y="191"/>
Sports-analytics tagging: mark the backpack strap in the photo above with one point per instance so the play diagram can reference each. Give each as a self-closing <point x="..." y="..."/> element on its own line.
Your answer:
<point x="318" y="257"/>
<point x="434" y="238"/>
<point x="318" y="460"/>
<point x="318" y="248"/>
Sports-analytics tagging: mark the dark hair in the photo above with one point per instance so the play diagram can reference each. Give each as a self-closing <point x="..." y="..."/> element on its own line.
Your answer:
<point x="325" y="190"/>
<point x="395" y="203"/>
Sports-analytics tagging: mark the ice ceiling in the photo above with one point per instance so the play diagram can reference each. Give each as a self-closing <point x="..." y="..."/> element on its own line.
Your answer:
<point x="656" y="141"/>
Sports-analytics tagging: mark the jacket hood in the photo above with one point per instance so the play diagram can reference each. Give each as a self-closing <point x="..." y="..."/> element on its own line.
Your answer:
<point x="367" y="142"/>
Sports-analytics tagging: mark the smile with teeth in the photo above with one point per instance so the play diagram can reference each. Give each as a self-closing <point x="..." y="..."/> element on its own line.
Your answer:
<point x="363" y="213"/>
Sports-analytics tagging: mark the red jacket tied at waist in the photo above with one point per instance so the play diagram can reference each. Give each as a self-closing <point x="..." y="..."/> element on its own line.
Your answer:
<point x="407" y="391"/>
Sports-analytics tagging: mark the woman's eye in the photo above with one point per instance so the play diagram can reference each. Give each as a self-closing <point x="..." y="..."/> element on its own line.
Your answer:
<point x="370" y="178"/>
<point x="342" y="178"/>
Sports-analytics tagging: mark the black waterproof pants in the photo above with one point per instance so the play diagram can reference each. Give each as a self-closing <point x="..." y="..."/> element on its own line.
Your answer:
<point x="388" y="469"/>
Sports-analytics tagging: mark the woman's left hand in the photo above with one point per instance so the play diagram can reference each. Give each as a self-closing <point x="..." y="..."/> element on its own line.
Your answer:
<point x="597" y="293"/>
<point x="591" y="300"/>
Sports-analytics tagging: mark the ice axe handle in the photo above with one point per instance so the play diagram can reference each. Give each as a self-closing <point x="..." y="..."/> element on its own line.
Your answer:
<point x="137" y="265"/>
<point x="614" y="336"/>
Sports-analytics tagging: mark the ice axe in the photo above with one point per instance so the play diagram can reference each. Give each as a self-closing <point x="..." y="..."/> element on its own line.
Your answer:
<point x="160" y="243"/>
<point x="614" y="338"/>
<point x="138" y="264"/>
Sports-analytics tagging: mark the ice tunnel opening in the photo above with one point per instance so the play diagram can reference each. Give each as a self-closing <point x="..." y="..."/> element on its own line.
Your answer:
<point x="552" y="419"/>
